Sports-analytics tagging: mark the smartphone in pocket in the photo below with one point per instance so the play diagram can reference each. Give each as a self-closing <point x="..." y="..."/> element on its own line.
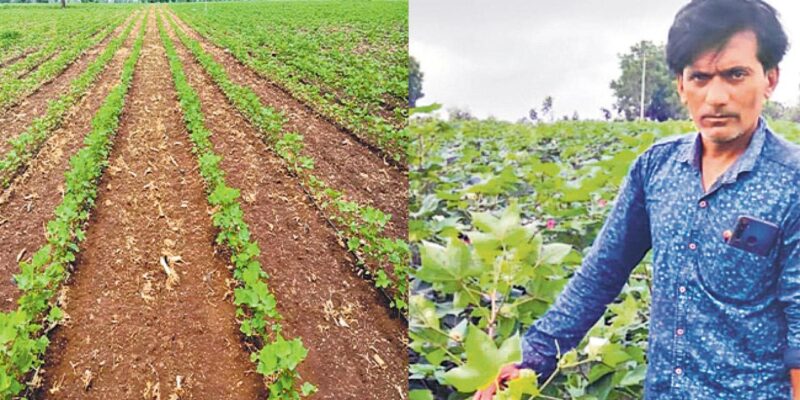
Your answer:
<point x="754" y="235"/>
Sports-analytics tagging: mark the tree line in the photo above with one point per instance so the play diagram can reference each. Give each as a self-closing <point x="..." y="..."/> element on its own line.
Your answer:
<point x="661" y="100"/>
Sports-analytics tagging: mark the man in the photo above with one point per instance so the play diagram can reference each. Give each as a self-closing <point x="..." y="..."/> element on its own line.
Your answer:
<point x="724" y="322"/>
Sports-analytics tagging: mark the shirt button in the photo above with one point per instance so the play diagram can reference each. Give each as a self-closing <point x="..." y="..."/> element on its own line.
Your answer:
<point x="682" y="289"/>
<point x="679" y="331"/>
<point x="703" y="204"/>
<point x="692" y="246"/>
<point x="678" y="371"/>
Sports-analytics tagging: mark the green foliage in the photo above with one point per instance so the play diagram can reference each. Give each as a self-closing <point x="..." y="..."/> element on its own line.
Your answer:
<point x="74" y="36"/>
<point x="661" y="95"/>
<point x="484" y="360"/>
<point x="278" y="358"/>
<point x="501" y="215"/>
<point x="22" y="342"/>
<point x="26" y="145"/>
<point x="359" y="226"/>
<point x="348" y="61"/>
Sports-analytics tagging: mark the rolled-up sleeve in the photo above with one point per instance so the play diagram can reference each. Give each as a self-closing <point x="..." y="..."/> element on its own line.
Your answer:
<point x="621" y="244"/>
<point x="790" y="287"/>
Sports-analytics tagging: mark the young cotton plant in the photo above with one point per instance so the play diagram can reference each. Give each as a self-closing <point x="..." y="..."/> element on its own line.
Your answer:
<point x="26" y="145"/>
<point x="23" y="341"/>
<point x="16" y="87"/>
<point x="361" y="227"/>
<point x="338" y="84"/>
<point x="278" y="357"/>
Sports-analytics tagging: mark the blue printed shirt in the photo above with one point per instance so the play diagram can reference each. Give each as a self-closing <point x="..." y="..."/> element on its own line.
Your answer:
<point x="724" y="322"/>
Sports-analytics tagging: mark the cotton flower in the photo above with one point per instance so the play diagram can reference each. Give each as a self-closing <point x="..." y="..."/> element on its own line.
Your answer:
<point x="594" y="346"/>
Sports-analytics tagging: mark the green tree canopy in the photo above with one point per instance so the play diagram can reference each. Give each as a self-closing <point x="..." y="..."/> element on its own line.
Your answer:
<point x="661" y="101"/>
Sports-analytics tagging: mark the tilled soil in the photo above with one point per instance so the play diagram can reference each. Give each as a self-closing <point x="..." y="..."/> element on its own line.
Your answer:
<point x="341" y="160"/>
<point x="14" y="59"/>
<point x="28" y="204"/>
<point x="356" y="350"/>
<point x="133" y="333"/>
<point x="18" y="117"/>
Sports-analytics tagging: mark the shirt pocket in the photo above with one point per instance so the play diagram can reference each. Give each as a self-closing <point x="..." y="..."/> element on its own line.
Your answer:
<point x="737" y="276"/>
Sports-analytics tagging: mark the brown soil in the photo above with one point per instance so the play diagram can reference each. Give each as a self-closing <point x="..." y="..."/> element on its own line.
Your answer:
<point x="137" y="336"/>
<point x="356" y="350"/>
<point x="339" y="160"/>
<point x="17" y="118"/>
<point x="13" y="59"/>
<point x="33" y="69"/>
<point x="28" y="204"/>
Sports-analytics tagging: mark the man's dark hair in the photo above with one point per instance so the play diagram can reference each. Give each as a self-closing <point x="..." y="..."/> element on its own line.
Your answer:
<point x="709" y="24"/>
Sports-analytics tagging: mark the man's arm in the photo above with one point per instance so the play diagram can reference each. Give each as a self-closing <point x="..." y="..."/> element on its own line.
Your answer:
<point x="619" y="247"/>
<point x="789" y="293"/>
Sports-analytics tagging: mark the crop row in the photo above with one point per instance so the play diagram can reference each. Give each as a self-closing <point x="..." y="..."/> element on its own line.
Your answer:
<point x="25" y="30"/>
<point x="65" y="50"/>
<point x="48" y="50"/>
<point x="349" y="62"/>
<point x="360" y="227"/>
<point x="27" y="144"/>
<point x="23" y="341"/>
<point x="278" y="358"/>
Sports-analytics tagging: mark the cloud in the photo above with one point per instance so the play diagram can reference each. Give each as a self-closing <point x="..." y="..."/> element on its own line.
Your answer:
<point x="502" y="58"/>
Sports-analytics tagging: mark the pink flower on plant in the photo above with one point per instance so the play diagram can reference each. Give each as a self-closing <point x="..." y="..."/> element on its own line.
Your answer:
<point x="551" y="223"/>
<point x="602" y="202"/>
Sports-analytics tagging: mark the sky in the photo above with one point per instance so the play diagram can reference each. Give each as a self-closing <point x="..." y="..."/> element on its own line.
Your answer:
<point x="501" y="58"/>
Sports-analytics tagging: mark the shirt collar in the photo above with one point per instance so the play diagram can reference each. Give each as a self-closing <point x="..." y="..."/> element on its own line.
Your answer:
<point x="693" y="152"/>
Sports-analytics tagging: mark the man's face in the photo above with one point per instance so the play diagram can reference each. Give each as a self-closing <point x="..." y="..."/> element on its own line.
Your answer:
<point x="725" y="89"/>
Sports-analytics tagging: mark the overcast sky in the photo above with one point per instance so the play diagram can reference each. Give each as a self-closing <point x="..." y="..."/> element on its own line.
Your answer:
<point x="503" y="57"/>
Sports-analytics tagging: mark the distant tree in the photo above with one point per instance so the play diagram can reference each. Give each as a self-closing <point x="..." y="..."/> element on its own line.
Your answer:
<point x="575" y="116"/>
<point x="662" y="107"/>
<point x="456" y="113"/>
<point x="533" y="115"/>
<point x="414" y="82"/>
<point x="606" y="113"/>
<point x="547" y="107"/>
<point x="794" y="113"/>
<point x="661" y="100"/>
<point x="775" y="110"/>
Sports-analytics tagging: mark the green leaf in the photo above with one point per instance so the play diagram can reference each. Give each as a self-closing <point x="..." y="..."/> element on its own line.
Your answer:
<point x="446" y="264"/>
<point x="526" y="384"/>
<point x="423" y="311"/>
<point x="425" y="109"/>
<point x="307" y="388"/>
<point x="626" y="312"/>
<point x="420" y="394"/>
<point x="484" y="361"/>
<point x="613" y="354"/>
<point x="554" y="253"/>
<point x="634" y="376"/>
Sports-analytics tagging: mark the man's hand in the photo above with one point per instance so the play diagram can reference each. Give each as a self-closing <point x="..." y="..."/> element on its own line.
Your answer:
<point x="507" y="373"/>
